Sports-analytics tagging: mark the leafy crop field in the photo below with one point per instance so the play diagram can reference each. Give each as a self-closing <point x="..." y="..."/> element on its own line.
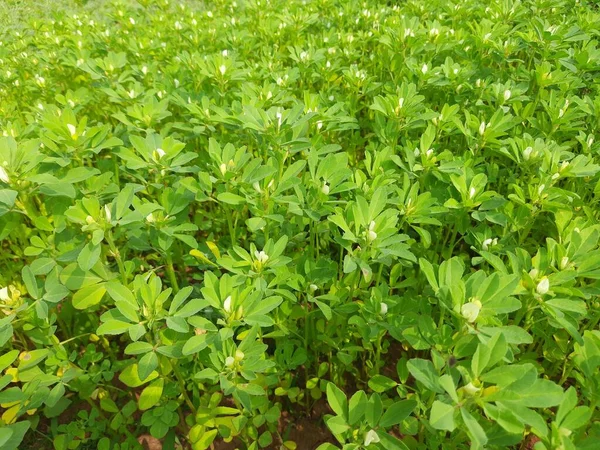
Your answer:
<point x="296" y="225"/>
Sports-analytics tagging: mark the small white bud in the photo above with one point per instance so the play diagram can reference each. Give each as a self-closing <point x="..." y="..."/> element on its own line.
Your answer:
<point x="482" y="128"/>
<point x="89" y="220"/>
<point x="564" y="262"/>
<point x="486" y="244"/>
<point x="424" y="69"/>
<point x="223" y="168"/>
<point x="239" y="355"/>
<point x="312" y="288"/>
<point x="471" y="389"/>
<point x="371" y="438"/>
<point x="160" y="152"/>
<point x="150" y="218"/>
<point x="472" y="192"/>
<point x="4" y="175"/>
<point x="4" y="296"/>
<point x="527" y="153"/>
<point x="507" y="95"/>
<point x="72" y="130"/>
<point x="261" y="256"/>
<point x="470" y="311"/>
<point x="132" y="21"/>
<point x="222" y="69"/>
<point x="325" y="188"/>
<point x="229" y="361"/>
<point x="383" y="309"/>
<point x="227" y="304"/>
<point x="107" y="213"/>
<point x="543" y="286"/>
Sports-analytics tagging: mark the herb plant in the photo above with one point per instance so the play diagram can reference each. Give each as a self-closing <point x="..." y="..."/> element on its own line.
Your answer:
<point x="219" y="220"/>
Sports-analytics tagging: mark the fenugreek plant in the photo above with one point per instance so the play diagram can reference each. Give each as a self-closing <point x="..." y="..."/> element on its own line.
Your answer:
<point x="221" y="220"/>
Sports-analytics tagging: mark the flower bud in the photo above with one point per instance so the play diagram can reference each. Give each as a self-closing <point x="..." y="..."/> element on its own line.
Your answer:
<point x="482" y="128"/>
<point x="471" y="389"/>
<point x="90" y="220"/>
<point x="470" y="311"/>
<point x="227" y="304"/>
<point x="564" y="262"/>
<point x="239" y="355"/>
<point x="371" y="438"/>
<point x="222" y="69"/>
<point x="383" y="309"/>
<point x="229" y="362"/>
<point x="543" y="286"/>
<point x="507" y="95"/>
<point x="486" y="244"/>
<point x="4" y="175"/>
<point x="72" y="130"/>
<point x="223" y="168"/>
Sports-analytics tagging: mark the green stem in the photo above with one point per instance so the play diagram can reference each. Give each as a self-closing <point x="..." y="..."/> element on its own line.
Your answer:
<point x="117" y="255"/>
<point x="181" y="384"/>
<point x="171" y="273"/>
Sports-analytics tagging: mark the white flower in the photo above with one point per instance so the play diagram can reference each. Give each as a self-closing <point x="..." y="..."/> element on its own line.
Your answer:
<point x="471" y="389"/>
<point x="383" y="309"/>
<point x="561" y="112"/>
<point x="261" y="256"/>
<point x="507" y="95"/>
<point x="400" y="102"/>
<point x="145" y="70"/>
<point x="229" y="361"/>
<point x="371" y="438"/>
<point x="543" y="286"/>
<point x="590" y="141"/>
<point x="132" y="21"/>
<point x="325" y="188"/>
<point x="160" y="152"/>
<point x="176" y="82"/>
<point x="486" y="244"/>
<point x="239" y="355"/>
<point x="472" y="192"/>
<point x="482" y="128"/>
<point x="4" y="176"/>
<point x="72" y="129"/>
<point x="470" y="310"/>
<point x="371" y="235"/>
<point x="224" y="53"/>
<point x="527" y="153"/>
<point x="222" y="69"/>
<point x="564" y="262"/>
<point x="424" y="69"/>
<point x="227" y="304"/>
<point x="150" y="218"/>
<point x="313" y="288"/>
<point x="107" y="213"/>
<point x="428" y="153"/>
<point x="89" y="220"/>
<point x="4" y="294"/>
<point x="256" y="186"/>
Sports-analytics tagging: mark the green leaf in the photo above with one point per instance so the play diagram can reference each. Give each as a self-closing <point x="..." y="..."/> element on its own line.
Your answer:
<point x="30" y="282"/>
<point x="230" y="198"/>
<point x="89" y="296"/>
<point x="381" y="383"/>
<point x="337" y="400"/>
<point x="397" y="412"/>
<point x="113" y="327"/>
<point x="441" y="416"/>
<point x="195" y="344"/>
<point x="88" y="257"/>
<point x="356" y="407"/>
<point x="373" y="410"/>
<point x="474" y="430"/>
<point x="147" y="364"/>
<point x="425" y="373"/>
<point x="8" y="358"/>
<point x="129" y="376"/>
<point x="151" y="394"/>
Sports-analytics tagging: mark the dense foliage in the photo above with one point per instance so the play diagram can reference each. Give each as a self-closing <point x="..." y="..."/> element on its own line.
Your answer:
<point x="383" y="218"/>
